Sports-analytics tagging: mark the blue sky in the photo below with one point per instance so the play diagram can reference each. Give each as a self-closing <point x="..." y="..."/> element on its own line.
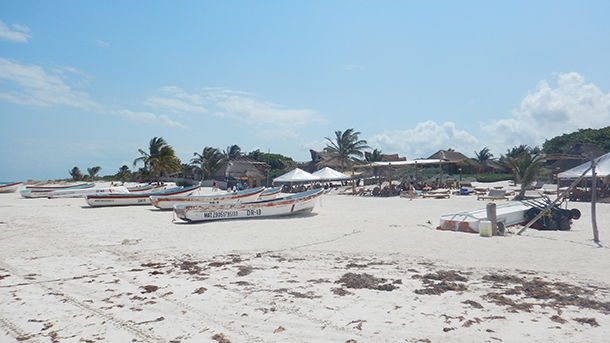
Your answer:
<point x="88" y="83"/>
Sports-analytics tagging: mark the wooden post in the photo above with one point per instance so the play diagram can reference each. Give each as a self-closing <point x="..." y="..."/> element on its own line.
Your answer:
<point x="491" y="216"/>
<point x="593" y="201"/>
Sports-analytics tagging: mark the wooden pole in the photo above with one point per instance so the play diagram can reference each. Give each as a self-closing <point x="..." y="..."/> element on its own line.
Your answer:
<point x="491" y="216"/>
<point x="593" y="201"/>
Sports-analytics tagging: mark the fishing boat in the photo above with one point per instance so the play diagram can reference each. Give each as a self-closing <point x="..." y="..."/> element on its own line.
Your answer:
<point x="47" y="191"/>
<point x="142" y="198"/>
<point x="167" y="202"/>
<point x="298" y="203"/>
<point x="270" y="193"/>
<point x="60" y="186"/>
<point x="81" y="193"/>
<point x="9" y="187"/>
<point x="145" y="188"/>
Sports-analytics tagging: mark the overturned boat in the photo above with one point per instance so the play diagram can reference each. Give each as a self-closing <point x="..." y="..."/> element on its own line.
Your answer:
<point x="298" y="203"/>
<point x="142" y="198"/>
<point x="512" y="213"/>
<point x="167" y="202"/>
<point x="10" y="187"/>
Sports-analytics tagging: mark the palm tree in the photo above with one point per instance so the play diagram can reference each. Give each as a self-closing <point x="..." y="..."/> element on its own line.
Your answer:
<point x="123" y="174"/>
<point x="208" y="162"/>
<point x="232" y="152"/>
<point x="346" y="147"/>
<point x="160" y="158"/>
<point x="483" y="157"/>
<point x="373" y="156"/>
<point x="93" y="171"/>
<point x="526" y="166"/>
<point x="76" y="174"/>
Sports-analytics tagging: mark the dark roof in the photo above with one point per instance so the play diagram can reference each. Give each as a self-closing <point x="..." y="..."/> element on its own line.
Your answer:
<point x="451" y="156"/>
<point x="243" y="167"/>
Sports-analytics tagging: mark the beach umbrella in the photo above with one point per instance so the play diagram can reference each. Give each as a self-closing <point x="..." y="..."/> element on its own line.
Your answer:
<point x="295" y="176"/>
<point x="329" y="174"/>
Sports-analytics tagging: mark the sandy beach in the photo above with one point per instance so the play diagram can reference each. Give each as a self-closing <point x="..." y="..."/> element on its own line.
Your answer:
<point x="358" y="269"/>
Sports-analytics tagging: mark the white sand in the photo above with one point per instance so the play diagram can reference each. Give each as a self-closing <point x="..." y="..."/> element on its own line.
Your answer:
<point x="76" y="274"/>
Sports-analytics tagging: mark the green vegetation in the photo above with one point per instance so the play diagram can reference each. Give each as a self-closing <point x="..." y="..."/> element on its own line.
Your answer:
<point x="488" y="177"/>
<point x="278" y="163"/>
<point x="346" y="147"/>
<point x="563" y="143"/>
<point x="209" y="161"/>
<point x="526" y="163"/>
<point x="76" y="174"/>
<point x="160" y="159"/>
<point x="93" y="172"/>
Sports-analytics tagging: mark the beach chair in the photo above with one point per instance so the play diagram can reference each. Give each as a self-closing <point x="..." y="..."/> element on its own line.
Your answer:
<point x="494" y="194"/>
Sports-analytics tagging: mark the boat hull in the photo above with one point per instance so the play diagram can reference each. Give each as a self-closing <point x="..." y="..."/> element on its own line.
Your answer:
<point x="132" y="199"/>
<point x="58" y="187"/>
<point x="270" y="193"/>
<point x="291" y="205"/>
<point x="510" y="213"/>
<point x="165" y="202"/>
<point x="10" y="187"/>
<point x="81" y="193"/>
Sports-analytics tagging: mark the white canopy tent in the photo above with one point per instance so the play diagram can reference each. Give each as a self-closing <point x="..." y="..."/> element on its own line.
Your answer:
<point x="296" y="176"/>
<point x="602" y="168"/>
<point x="329" y="174"/>
<point x="402" y="163"/>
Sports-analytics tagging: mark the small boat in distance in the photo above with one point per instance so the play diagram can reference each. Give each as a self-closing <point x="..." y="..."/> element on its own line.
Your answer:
<point x="298" y="203"/>
<point x="10" y="187"/>
<point x="167" y="202"/>
<point x="45" y="191"/>
<point x="142" y="198"/>
<point x="53" y="187"/>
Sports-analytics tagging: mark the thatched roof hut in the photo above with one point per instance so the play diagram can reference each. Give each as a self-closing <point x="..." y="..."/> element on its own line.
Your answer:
<point x="245" y="168"/>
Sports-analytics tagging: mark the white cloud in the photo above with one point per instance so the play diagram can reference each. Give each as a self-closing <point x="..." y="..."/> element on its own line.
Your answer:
<point x="102" y="44"/>
<point x="148" y="117"/>
<point x="175" y="99"/>
<point x="33" y="85"/>
<point x="425" y="139"/>
<point x="246" y="108"/>
<point x="16" y="33"/>
<point x="270" y="119"/>
<point x="551" y="110"/>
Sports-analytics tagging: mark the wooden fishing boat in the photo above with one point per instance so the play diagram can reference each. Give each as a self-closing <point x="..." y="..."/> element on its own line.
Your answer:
<point x="145" y="188"/>
<point x="60" y="186"/>
<point x="47" y="191"/>
<point x="298" y="203"/>
<point x="270" y="193"/>
<point x="81" y="193"/>
<point x="134" y="198"/>
<point x="9" y="187"/>
<point x="167" y="202"/>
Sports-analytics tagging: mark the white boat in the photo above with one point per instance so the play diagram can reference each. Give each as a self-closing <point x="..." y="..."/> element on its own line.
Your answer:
<point x="167" y="202"/>
<point x="298" y="203"/>
<point x="9" y="187"/>
<point x="145" y="188"/>
<point x="142" y="198"/>
<point x="54" y="187"/>
<point x="270" y="193"/>
<point x="81" y="193"/>
<point x="509" y="213"/>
